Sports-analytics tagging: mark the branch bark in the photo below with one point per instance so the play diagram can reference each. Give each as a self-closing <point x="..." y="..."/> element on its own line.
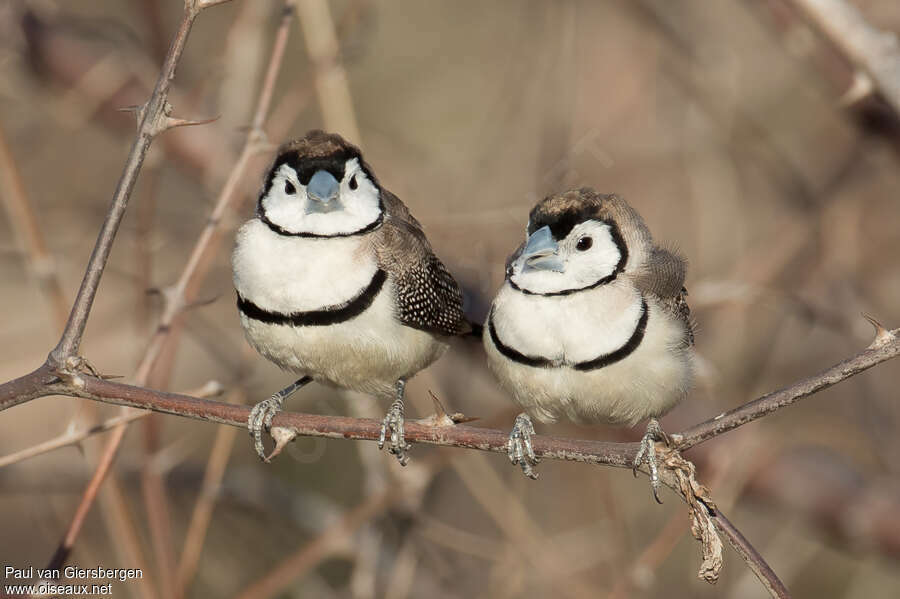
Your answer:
<point x="873" y="52"/>
<point x="153" y="121"/>
<point x="46" y="381"/>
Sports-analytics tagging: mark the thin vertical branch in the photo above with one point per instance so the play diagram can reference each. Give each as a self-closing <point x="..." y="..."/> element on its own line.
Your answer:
<point x="90" y="493"/>
<point x="203" y="508"/>
<point x="332" y="87"/>
<point x="25" y="224"/>
<point x="154" y="117"/>
<point x="152" y="122"/>
<point x="751" y="556"/>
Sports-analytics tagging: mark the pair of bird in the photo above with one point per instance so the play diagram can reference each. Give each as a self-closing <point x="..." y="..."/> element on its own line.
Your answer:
<point x="336" y="281"/>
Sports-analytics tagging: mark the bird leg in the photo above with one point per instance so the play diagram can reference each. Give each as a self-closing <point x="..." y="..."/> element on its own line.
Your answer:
<point x="393" y="422"/>
<point x="262" y="414"/>
<point x="647" y="453"/>
<point x="519" y="448"/>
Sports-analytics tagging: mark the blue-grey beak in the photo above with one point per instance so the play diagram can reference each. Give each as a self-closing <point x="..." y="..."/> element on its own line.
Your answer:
<point x="323" y="191"/>
<point x="541" y="252"/>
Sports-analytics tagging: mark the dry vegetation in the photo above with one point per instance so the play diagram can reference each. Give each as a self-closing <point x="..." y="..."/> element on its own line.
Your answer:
<point x="725" y="123"/>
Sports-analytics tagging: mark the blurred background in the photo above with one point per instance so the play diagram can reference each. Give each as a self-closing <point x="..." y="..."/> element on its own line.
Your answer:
<point x="726" y="124"/>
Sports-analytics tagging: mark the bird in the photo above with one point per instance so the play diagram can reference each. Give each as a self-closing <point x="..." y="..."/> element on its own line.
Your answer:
<point x="337" y="283"/>
<point x="591" y="323"/>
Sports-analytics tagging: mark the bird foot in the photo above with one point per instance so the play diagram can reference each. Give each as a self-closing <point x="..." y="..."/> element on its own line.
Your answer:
<point x="392" y="429"/>
<point x="261" y="418"/>
<point x="647" y="454"/>
<point x="519" y="448"/>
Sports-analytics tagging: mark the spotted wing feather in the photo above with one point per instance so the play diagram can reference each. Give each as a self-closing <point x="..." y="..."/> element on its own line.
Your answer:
<point x="663" y="276"/>
<point x="428" y="296"/>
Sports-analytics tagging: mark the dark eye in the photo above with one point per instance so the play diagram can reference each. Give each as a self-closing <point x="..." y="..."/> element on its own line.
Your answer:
<point x="584" y="244"/>
<point x="289" y="188"/>
<point x="353" y="183"/>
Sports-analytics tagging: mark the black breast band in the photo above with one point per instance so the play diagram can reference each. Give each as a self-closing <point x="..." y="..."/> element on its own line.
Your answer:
<point x="325" y="316"/>
<point x="599" y="362"/>
<point x="284" y="232"/>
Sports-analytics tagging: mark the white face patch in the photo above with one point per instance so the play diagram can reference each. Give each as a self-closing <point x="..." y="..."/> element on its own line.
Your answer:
<point x="588" y="254"/>
<point x="289" y="206"/>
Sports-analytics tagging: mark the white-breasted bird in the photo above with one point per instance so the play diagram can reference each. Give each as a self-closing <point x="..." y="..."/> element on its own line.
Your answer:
<point x="337" y="282"/>
<point x="591" y="323"/>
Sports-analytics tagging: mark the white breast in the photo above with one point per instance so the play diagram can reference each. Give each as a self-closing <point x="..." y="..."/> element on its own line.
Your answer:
<point x="367" y="353"/>
<point x="298" y="274"/>
<point x="571" y="328"/>
<point x="648" y="382"/>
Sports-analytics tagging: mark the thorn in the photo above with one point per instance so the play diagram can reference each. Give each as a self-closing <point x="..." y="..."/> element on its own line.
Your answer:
<point x="204" y="4"/>
<point x="110" y="377"/>
<point x="440" y="416"/>
<point x="137" y="110"/>
<point x="439" y="410"/>
<point x="282" y="437"/>
<point x="860" y="88"/>
<point x="460" y="418"/>
<point x="172" y="122"/>
<point x="882" y="335"/>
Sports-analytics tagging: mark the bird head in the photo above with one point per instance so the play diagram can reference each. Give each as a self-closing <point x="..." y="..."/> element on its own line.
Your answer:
<point x="574" y="240"/>
<point x="320" y="186"/>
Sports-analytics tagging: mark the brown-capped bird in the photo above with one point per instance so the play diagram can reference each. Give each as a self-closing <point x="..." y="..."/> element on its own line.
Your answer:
<point x="336" y="282"/>
<point x="591" y="323"/>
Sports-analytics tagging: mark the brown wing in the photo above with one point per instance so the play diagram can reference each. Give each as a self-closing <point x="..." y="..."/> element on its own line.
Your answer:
<point x="663" y="276"/>
<point x="428" y="297"/>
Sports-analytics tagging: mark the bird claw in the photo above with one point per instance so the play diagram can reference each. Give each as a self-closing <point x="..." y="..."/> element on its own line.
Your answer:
<point x="261" y="418"/>
<point x="392" y="428"/>
<point x="519" y="447"/>
<point x="647" y="454"/>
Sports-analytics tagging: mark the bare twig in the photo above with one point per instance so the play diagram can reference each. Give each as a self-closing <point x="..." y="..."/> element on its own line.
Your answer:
<point x="153" y="121"/>
<point x="330" y="540"/>
<point x="332" y="87"/>
<point x="873" y="52"/>
<point x="65" y="547"/>
<point x="43" y="382"/>
<point x="750" y="555"/>
<point x="21" y="214"/>
<point x="885" y="347"/>
<point x="203" y="508"/>
<point x="70" y="438"/>
<point x="154" y="118"/>
<point x="211" y="389"/>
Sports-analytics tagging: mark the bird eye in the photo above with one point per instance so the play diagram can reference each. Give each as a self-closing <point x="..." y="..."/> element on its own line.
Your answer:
<point x="289" y="188"/>
<point x="353" y="183"/>
<point x="584" y="244"/>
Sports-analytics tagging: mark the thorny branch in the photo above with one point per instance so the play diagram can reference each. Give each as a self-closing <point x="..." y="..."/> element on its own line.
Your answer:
<point x="154" y="119"/>
<point x="44" y="382"/>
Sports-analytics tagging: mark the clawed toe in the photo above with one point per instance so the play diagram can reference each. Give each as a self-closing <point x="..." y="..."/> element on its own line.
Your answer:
<point x="647" y="455"/>
<point x="519" y="447"/>
<point x="261" y="419"/>
<point x="392" y="431"/>
<point x="262" y="414"/>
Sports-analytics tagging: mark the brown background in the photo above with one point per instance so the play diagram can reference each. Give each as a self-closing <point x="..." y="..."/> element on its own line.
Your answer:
<point x="719" y="121"/>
